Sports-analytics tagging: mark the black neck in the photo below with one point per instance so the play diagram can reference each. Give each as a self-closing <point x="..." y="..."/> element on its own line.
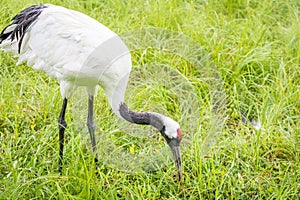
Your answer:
<point x="146" y="118"/>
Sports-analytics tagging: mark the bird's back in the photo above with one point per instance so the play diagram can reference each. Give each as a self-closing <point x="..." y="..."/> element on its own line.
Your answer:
<point x="68" y="45"/>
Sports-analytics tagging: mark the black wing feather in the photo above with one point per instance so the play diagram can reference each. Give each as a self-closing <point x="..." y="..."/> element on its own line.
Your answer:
<point x="22" y="21"/>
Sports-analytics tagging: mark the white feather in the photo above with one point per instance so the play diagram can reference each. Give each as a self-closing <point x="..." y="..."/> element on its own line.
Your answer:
<point x="68" y="46"/>
<point x="171" y="127"/>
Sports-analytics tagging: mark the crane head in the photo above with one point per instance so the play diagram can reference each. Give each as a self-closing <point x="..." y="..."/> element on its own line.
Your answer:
<point x="169" y="129"/>
<point x="172" y="133"/>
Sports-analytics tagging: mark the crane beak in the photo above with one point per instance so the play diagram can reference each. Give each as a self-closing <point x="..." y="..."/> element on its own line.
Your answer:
<point x="175" y="147"/>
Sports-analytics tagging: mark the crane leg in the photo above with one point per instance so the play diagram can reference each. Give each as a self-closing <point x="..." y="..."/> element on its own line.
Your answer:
<point x="61" y="127"/>
<point x="91" y="125"/>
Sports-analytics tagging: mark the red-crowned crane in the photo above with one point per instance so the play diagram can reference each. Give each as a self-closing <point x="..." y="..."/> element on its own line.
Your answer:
<point x="79" y="51"/>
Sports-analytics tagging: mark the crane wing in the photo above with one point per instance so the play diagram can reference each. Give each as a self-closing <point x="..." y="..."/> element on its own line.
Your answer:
<point x="54" y="39"/>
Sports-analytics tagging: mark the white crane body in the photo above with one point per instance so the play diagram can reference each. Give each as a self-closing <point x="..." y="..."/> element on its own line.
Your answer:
<point x="76" y="50"/>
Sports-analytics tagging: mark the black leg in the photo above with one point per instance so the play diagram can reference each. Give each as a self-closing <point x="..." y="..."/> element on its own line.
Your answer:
<point x="61" y="127"/>
<point x="91" y="125"/>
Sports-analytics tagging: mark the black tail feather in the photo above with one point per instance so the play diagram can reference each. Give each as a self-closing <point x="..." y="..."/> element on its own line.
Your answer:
<point x="22" y="21"/>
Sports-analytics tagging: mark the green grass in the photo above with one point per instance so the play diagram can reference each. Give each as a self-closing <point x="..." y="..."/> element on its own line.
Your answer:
<point x="247" y="50"/>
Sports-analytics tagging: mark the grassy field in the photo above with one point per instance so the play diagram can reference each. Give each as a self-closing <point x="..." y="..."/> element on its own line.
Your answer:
<point x="212" y="65"/>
